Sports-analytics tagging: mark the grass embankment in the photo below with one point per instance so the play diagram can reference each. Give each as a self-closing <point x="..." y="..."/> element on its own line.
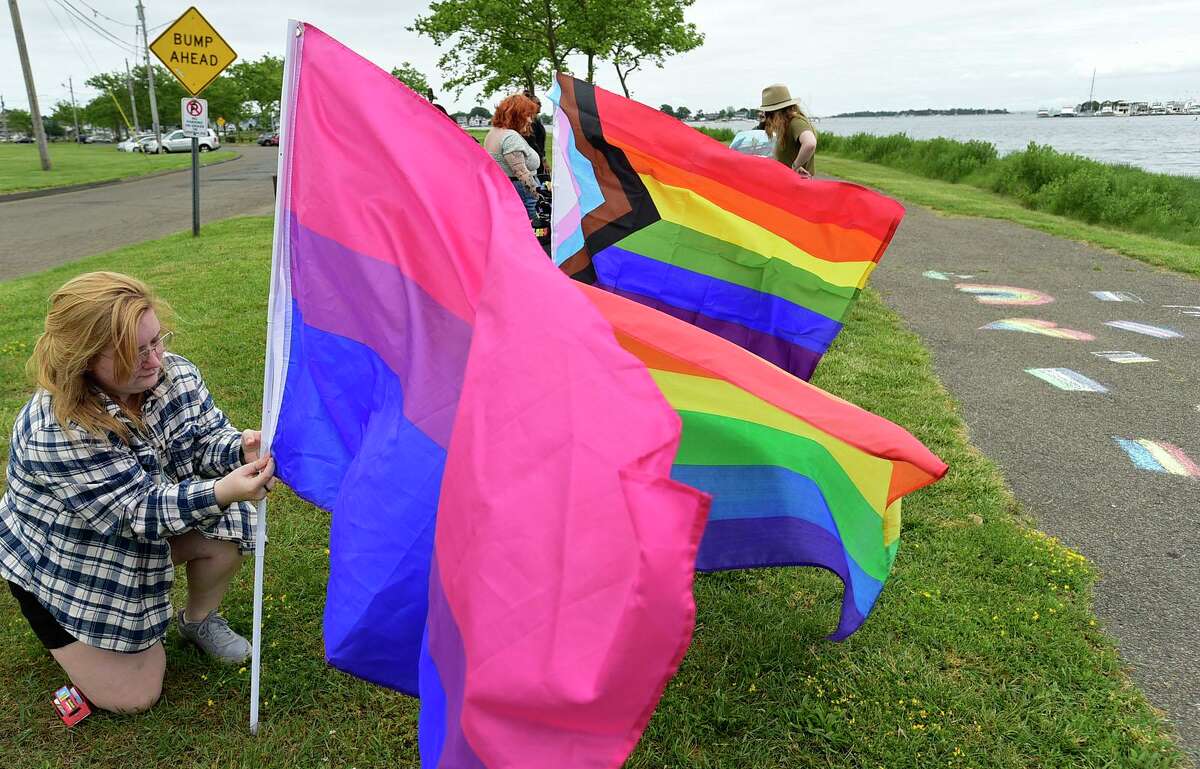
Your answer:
<point x="70" y="164"/>
<point x="1165" y="236"/>
<point x="983" y="651"/>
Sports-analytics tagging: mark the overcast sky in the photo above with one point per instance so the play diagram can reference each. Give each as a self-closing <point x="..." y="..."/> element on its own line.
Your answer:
<point x="837" y="57"/>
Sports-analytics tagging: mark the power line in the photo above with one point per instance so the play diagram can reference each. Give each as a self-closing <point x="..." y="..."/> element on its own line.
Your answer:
<point x="110" y="18"/>
<point x="94" y="26"/>
<point x="93" y="67"/>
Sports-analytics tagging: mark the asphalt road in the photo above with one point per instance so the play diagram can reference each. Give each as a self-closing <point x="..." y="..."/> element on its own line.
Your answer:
<point x="38" y="233"/>
<point x="1057" y="448"/>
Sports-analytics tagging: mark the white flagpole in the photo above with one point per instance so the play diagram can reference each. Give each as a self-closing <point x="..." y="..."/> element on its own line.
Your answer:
<point x="278" y="341"/>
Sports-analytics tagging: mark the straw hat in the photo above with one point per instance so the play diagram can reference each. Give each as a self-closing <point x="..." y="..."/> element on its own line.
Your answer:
<point x="776" y="97"/>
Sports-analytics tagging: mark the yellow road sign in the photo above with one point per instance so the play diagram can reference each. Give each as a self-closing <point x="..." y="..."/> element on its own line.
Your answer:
<point x="193" y="51"/>
<point x="221" y="121"/>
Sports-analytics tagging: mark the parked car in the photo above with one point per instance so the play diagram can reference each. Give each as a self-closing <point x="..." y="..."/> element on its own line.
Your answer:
<point x="269" y="140"/>
<point x="146" y="144"/>
<point x="131" y="144"/>
<point x="176" y="141"/>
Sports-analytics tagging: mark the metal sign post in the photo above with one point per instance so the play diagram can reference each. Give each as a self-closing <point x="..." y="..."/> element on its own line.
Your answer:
<point x="194" y="119"/>
<point x="196" y="54"/>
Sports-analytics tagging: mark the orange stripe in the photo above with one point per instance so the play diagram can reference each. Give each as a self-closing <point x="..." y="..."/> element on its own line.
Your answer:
<point x="655" y="358"/>
<point x="827" y="241"/>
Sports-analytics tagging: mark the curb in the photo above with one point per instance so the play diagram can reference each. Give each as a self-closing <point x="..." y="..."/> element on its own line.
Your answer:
<point x="15" y="196"/>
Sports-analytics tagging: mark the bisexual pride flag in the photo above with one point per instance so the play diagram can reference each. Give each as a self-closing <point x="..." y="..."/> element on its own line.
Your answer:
<point x="739" y="246"/>
<point x="506" y="539"/>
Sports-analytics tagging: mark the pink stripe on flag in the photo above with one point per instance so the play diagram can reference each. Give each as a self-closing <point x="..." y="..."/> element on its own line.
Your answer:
<point x="345" y="176"/>
<point x="565" y="551"/>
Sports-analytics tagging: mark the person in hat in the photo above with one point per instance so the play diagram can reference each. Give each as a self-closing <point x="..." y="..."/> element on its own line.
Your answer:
<point x="794" y="136"/>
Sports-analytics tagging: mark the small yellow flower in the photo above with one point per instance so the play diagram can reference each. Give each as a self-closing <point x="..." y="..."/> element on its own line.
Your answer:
<point x="210" y="703"/>
<point x="241" y="670"/>
<point x="1036" y="616"/>
<point x="753" y="688"/>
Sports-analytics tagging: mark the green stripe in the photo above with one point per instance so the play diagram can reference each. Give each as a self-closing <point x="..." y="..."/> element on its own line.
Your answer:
<point x="709" y="439"/>
<point x="682" y="246"/>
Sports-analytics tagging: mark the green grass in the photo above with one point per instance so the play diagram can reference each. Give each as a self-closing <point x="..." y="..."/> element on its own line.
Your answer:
<point x="965" y="200"/>
<point x="21" y="170"/>
<point x="983" y="651"/>
<point x="1039" y="177"/>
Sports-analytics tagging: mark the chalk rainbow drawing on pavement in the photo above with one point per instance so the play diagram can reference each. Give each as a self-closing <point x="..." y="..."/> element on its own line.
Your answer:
<point x="937" y="275"/>
<point x="1185" y="309"/>
<point x="1158" y="456"/>
<point x="1158" y="332"/>
<point x="1066" y="379"/>
<point x="988" y="294"/>
<point x="1117" y="296"/>
<point x="1124" y="356"/>
<point x="1035" y="326"/>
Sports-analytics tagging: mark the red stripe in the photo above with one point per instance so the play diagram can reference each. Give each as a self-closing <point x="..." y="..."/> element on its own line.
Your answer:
<point x="659" y="135"/>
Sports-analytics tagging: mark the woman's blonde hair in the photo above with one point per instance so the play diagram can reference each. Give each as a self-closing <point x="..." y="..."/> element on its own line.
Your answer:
<point x="88" y="314"/>
<point x="776" y="121"/>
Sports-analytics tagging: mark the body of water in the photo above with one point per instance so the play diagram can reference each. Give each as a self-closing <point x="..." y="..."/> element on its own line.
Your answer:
<point x="1165" y="143"/>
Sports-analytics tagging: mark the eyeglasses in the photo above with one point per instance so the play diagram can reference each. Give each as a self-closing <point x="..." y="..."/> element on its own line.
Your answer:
<point x="158" y="345"/>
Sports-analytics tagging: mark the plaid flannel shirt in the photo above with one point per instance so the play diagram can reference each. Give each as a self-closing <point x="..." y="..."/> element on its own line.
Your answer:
<point x="85" y="519"/>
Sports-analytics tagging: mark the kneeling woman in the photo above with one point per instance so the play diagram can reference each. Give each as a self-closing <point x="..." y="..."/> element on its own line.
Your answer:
<point x="120" y="468"/>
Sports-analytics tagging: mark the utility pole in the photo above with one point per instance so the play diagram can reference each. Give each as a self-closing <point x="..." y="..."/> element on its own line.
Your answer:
<point x="35" y="114"/>
<point x="137" y="128"/>
<point x="74" y="109"/>
<point x="149" y="74"/>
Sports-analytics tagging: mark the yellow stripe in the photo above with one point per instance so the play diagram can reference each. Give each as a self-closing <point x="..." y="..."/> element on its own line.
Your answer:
<point x="687" y="209"/>
<point x="1163" y="457"/>
<point x="891" y="523"/>
<point x="871" y="474"/>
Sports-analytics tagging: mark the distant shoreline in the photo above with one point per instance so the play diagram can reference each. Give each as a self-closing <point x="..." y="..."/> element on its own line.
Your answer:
<point x="922" y="112"/>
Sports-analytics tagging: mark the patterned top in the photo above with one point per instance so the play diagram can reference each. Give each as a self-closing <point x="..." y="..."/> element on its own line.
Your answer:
<point x="85" y="520"/>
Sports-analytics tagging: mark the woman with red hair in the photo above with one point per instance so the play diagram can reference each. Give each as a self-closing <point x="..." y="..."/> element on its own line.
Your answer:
<point x="514" y="117"/>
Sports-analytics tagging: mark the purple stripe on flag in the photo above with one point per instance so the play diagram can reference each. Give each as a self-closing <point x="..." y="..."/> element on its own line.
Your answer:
<point x="796" y="360"/>
<point x="743" y="543"/>
<point x="443" y="648"/>
<point x="369" y="301"/>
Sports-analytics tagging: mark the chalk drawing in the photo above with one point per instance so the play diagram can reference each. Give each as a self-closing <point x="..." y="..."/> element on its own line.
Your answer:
<point x="1066" y="379"/>
<point x="1117" y="296"/>
<point x="1159" y="332"/>
<point x="987" y="294"/>
<point x="1035" y="326"/>
<point x="1158" y="456"/>
<point x="935" y="275"/>
<point x="1124" y="356"/>
<point x="1185" y="309"/>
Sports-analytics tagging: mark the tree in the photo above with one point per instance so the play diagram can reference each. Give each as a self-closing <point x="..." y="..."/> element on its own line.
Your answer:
<point x="499" y="43"/>
<point x="261" y="82"/>
<point x="683" y="113"/>
<point x="480" y="112"/>
<point x="19" y="121"/>
<point x="648" y="32"/>
<point x="667" y="108"/>
<point x="412" y="77"/>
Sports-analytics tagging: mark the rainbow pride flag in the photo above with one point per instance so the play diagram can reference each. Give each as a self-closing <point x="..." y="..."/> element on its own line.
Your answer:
<point x="522" y="563"/>
<point x="798" y="477"/>
<point x="737" y="245"/>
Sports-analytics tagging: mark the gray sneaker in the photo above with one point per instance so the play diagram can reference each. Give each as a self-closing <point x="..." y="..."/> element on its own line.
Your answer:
<point x="214" y="636"/>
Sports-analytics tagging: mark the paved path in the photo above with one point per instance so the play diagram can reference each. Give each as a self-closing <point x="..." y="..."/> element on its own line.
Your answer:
<point x="1056" y="447"/>
<point x="43" y="232"/>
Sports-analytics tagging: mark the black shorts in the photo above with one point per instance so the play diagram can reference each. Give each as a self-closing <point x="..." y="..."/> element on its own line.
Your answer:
<point x="45" y="627"/>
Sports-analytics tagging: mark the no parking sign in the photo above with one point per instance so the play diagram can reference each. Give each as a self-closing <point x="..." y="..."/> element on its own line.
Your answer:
<point x="194" y="116"/>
